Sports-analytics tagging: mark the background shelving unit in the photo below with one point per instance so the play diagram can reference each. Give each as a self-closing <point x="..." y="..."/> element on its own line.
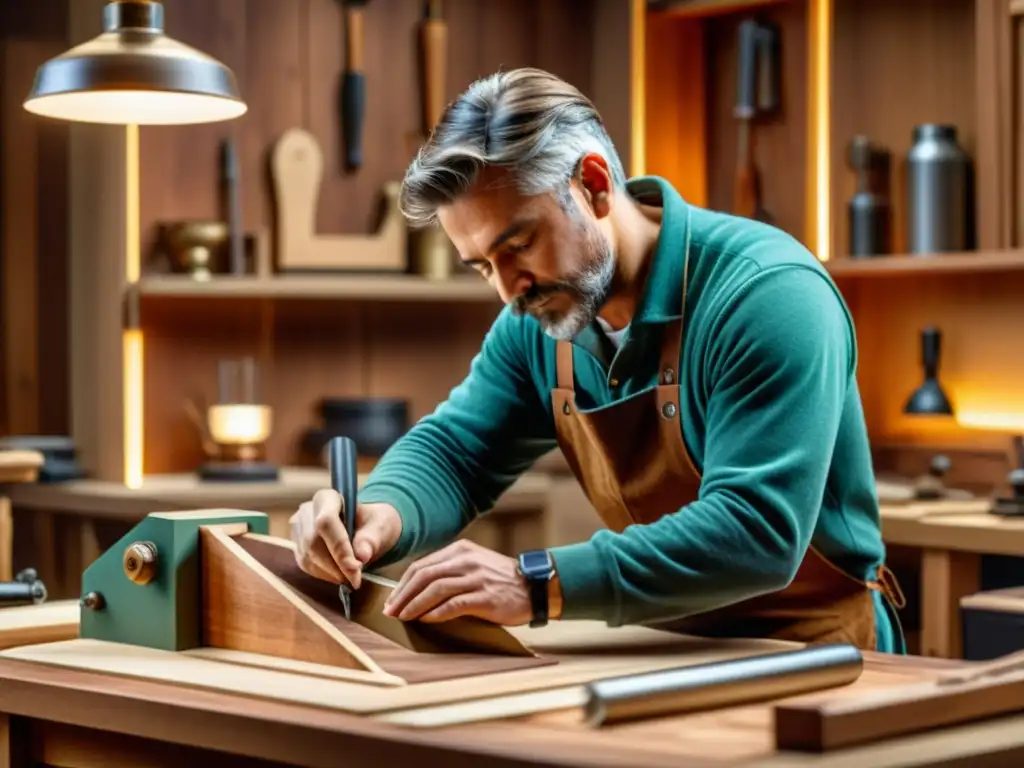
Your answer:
<point x="877" y="68"/>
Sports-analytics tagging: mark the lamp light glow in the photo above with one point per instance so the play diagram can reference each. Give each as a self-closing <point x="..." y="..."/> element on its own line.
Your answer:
<point x="133" y="73"/>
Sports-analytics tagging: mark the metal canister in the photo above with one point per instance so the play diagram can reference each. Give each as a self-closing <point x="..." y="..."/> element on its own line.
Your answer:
<point x="937" y="187"/>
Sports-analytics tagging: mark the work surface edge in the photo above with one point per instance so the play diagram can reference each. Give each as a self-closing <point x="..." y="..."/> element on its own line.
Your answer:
<point x="309" y="736"/>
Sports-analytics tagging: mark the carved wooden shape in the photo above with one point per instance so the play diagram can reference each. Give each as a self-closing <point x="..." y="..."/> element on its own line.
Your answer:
<point x="297" y="167"/>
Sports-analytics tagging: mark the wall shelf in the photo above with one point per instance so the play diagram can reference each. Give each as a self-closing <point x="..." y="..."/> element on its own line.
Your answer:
<point x="937" y="264"/>
<point x="401" y="287"/>
<point x="695" y="8"/>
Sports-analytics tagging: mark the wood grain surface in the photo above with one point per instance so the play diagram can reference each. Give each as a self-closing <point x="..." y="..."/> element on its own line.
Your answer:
<point x="585" y="650"/>
<point x="291" y="734"/>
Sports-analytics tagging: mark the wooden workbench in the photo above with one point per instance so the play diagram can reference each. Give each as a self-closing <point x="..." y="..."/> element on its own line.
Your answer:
<point x="952" y="538"/>
<point x="85" y="506"/>
<point x="68" y="717"/>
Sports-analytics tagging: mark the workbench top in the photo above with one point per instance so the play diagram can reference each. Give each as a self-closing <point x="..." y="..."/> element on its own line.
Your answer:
<point x="118" y="715"/>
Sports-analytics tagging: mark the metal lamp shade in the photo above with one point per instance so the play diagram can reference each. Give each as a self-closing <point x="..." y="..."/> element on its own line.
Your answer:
<point x="133" y="74"/>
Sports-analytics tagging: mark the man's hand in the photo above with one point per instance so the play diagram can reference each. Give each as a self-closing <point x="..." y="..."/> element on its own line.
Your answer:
<point x="462" y="579"/>
<point x="322" y="546"/>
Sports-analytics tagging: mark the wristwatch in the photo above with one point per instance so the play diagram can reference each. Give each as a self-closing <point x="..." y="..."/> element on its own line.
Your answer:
<point x="538" y="568"/>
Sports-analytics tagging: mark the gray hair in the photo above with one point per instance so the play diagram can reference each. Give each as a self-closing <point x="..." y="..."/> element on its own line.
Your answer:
<point x="527" y="120"/>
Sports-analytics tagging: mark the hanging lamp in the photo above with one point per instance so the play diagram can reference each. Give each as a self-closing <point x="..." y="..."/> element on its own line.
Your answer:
<point x="133" y="74"/>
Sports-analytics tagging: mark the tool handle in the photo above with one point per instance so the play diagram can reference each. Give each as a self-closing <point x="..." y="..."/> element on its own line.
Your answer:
<point x="353" y="107"/>
<point x="344" y="470"/>
<point x="353" y="88"/>
<point x="434" y="41"/>
<point x="746" y="82"/>
<point x="768" y="67"/>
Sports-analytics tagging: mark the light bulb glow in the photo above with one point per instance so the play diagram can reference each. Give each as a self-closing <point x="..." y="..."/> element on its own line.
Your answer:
<point x="136" y="107"/>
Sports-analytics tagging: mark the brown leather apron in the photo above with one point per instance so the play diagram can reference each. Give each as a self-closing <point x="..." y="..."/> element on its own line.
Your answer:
<point x="633" y="465"/>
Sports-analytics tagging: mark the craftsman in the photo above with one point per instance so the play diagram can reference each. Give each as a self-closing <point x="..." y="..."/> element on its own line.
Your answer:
<point x="696" y="369"/>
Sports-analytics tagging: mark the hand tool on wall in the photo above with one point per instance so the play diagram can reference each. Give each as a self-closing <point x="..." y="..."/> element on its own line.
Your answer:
<point x="434" y="55"/>
<point x="232" y="204"/>
<point x="353" y="85"/>
<point x="757" y="94"/>
<point x="345" y="480"/>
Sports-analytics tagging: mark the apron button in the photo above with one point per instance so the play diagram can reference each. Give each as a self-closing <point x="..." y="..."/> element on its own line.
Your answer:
<point x="565" y="407"/>
<point x="670" y="376"/>
<point x="668" y="410"/>
<point x="613" y="382"/>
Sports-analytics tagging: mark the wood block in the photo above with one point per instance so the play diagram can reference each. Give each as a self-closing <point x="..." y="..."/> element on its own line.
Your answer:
<point x="246" y="608"/>
<point x="984" y="691"/>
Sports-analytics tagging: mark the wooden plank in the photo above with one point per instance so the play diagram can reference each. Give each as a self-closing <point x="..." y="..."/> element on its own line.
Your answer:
<point x="43" y="623"/>
<point x="585" y="651"/>
<point x="987" y="690"/>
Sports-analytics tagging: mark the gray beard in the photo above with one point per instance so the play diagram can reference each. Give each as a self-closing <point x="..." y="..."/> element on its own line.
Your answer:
<point x="590" y="290"/>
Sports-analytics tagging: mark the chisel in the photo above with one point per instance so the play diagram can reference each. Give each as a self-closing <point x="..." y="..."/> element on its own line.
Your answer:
<point x="344" y="470"/>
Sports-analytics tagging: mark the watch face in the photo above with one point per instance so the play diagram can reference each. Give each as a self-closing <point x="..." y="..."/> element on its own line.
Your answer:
<point x="536" y="563"/>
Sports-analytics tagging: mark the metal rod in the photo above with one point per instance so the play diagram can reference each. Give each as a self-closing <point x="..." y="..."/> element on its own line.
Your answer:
<point x="724" y="683"/>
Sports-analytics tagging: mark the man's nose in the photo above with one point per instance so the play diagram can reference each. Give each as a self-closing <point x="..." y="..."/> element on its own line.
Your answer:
<point x="512" y="283"/>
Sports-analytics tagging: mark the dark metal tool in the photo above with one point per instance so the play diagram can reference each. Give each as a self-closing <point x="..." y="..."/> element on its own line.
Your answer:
<point x="26" y="589"/>
<point x="232" y="204"/>
<point x="353" y="84"/>
<point x="345" y="480"/>
<point x="757" y="93"/>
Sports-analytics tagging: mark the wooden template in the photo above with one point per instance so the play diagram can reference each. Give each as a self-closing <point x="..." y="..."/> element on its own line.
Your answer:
<point x="297" y="169"/>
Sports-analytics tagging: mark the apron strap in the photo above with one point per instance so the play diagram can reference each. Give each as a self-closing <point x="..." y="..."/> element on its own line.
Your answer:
<point x="889" y="586"/>
<point x="563" y="365"/>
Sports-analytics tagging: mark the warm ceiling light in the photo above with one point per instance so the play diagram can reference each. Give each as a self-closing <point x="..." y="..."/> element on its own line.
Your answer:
<point x="133" y="74"/>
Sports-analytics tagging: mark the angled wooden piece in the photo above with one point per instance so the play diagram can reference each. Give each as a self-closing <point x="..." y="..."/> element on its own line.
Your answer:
<point x="246" y="608"/>
<point x="465" y="634"/>
<point x="297" y="168"/>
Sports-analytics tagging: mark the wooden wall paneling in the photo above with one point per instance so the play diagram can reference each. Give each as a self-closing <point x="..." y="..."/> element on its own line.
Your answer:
<point x="34" y="214"/>
<point x="180" y="165"/>
<point x="780" y="142"/>
<point x="1017" y="134"/>
<point x="897" y="65"/>
<point x="291" y="56"/>
<point x="675" y="95"/>
<point x="185" y="340"/>
<point x="20" y="241"/>
<point x="994" y="105"/>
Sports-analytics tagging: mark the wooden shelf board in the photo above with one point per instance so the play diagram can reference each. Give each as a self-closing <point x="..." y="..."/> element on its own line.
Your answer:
<point x="400" y="287"/>
<point x="954" y="263"/>
<point x="697" y="8"/>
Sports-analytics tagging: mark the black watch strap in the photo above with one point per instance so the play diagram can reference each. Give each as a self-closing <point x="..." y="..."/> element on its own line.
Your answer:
<point x="537" y="568"/>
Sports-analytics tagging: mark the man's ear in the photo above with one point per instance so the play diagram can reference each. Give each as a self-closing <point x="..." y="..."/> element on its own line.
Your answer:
<point x="595" y="180"/>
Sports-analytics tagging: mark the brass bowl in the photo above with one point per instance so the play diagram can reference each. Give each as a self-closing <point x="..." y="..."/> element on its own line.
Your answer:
<point x="197" y="246"/>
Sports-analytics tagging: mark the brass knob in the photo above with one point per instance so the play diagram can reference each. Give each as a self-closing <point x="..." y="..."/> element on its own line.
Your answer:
<point x="140" y="562"/>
